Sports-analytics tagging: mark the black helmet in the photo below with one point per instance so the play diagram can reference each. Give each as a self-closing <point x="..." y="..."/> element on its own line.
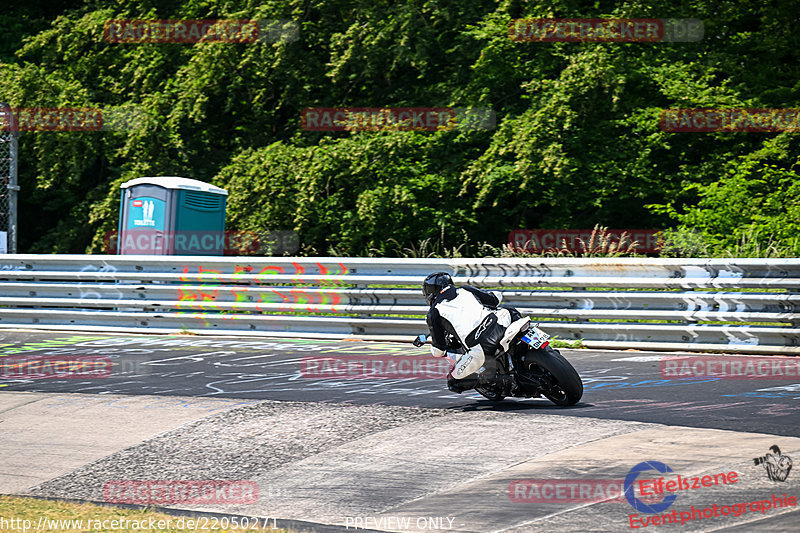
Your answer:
<point x="434" y="283"/>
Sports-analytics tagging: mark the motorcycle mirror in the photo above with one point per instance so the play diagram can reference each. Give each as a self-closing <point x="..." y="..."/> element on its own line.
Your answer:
<point x="420" y="340"/>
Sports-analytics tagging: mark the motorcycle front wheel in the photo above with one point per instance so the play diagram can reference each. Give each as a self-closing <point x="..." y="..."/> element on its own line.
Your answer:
<point x="561" y="383"/>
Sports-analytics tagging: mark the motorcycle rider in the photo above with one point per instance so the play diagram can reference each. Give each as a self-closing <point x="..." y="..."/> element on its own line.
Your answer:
<point x="475" y="323"/>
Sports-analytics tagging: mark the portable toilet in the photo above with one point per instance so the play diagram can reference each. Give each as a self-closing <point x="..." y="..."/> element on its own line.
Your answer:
<point x="169" y="215"/>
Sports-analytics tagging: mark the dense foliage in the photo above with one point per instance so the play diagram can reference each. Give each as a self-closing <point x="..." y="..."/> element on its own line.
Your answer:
<point x="577" y="140"/>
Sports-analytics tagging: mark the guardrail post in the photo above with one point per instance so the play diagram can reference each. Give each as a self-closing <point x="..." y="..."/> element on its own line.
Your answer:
<point x="8" y="180"/>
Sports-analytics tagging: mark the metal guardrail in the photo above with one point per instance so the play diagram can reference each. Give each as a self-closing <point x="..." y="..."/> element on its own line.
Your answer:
<point x="665" y="304"/>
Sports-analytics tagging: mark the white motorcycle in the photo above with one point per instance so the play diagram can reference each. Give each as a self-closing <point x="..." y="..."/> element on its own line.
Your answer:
<point x="535" y="368"/>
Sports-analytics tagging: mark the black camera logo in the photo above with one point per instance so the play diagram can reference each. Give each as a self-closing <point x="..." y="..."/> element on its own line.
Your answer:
<point x="776" y="464"/>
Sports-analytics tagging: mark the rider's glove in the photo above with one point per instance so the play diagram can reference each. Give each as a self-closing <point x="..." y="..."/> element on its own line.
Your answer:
<point x="436" y="352"/>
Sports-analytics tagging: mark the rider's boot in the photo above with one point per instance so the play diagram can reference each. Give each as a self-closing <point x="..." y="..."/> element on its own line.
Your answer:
<point x="460" y="385"/>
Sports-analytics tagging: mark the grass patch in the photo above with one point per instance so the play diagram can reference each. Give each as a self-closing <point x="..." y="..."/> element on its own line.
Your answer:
<point x="555" y="342"/>
<point x="19" y="512"/>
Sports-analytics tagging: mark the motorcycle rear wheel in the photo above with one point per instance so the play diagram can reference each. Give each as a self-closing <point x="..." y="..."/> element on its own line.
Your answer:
<point x="548" y="365"/>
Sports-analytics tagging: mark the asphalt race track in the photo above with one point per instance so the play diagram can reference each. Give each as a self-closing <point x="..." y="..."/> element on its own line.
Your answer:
<point x="617" y="384"/>
<point x="335" y="444"/>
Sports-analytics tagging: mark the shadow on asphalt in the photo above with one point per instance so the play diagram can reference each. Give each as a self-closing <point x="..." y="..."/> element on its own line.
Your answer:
<point x="511" y="405"/>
